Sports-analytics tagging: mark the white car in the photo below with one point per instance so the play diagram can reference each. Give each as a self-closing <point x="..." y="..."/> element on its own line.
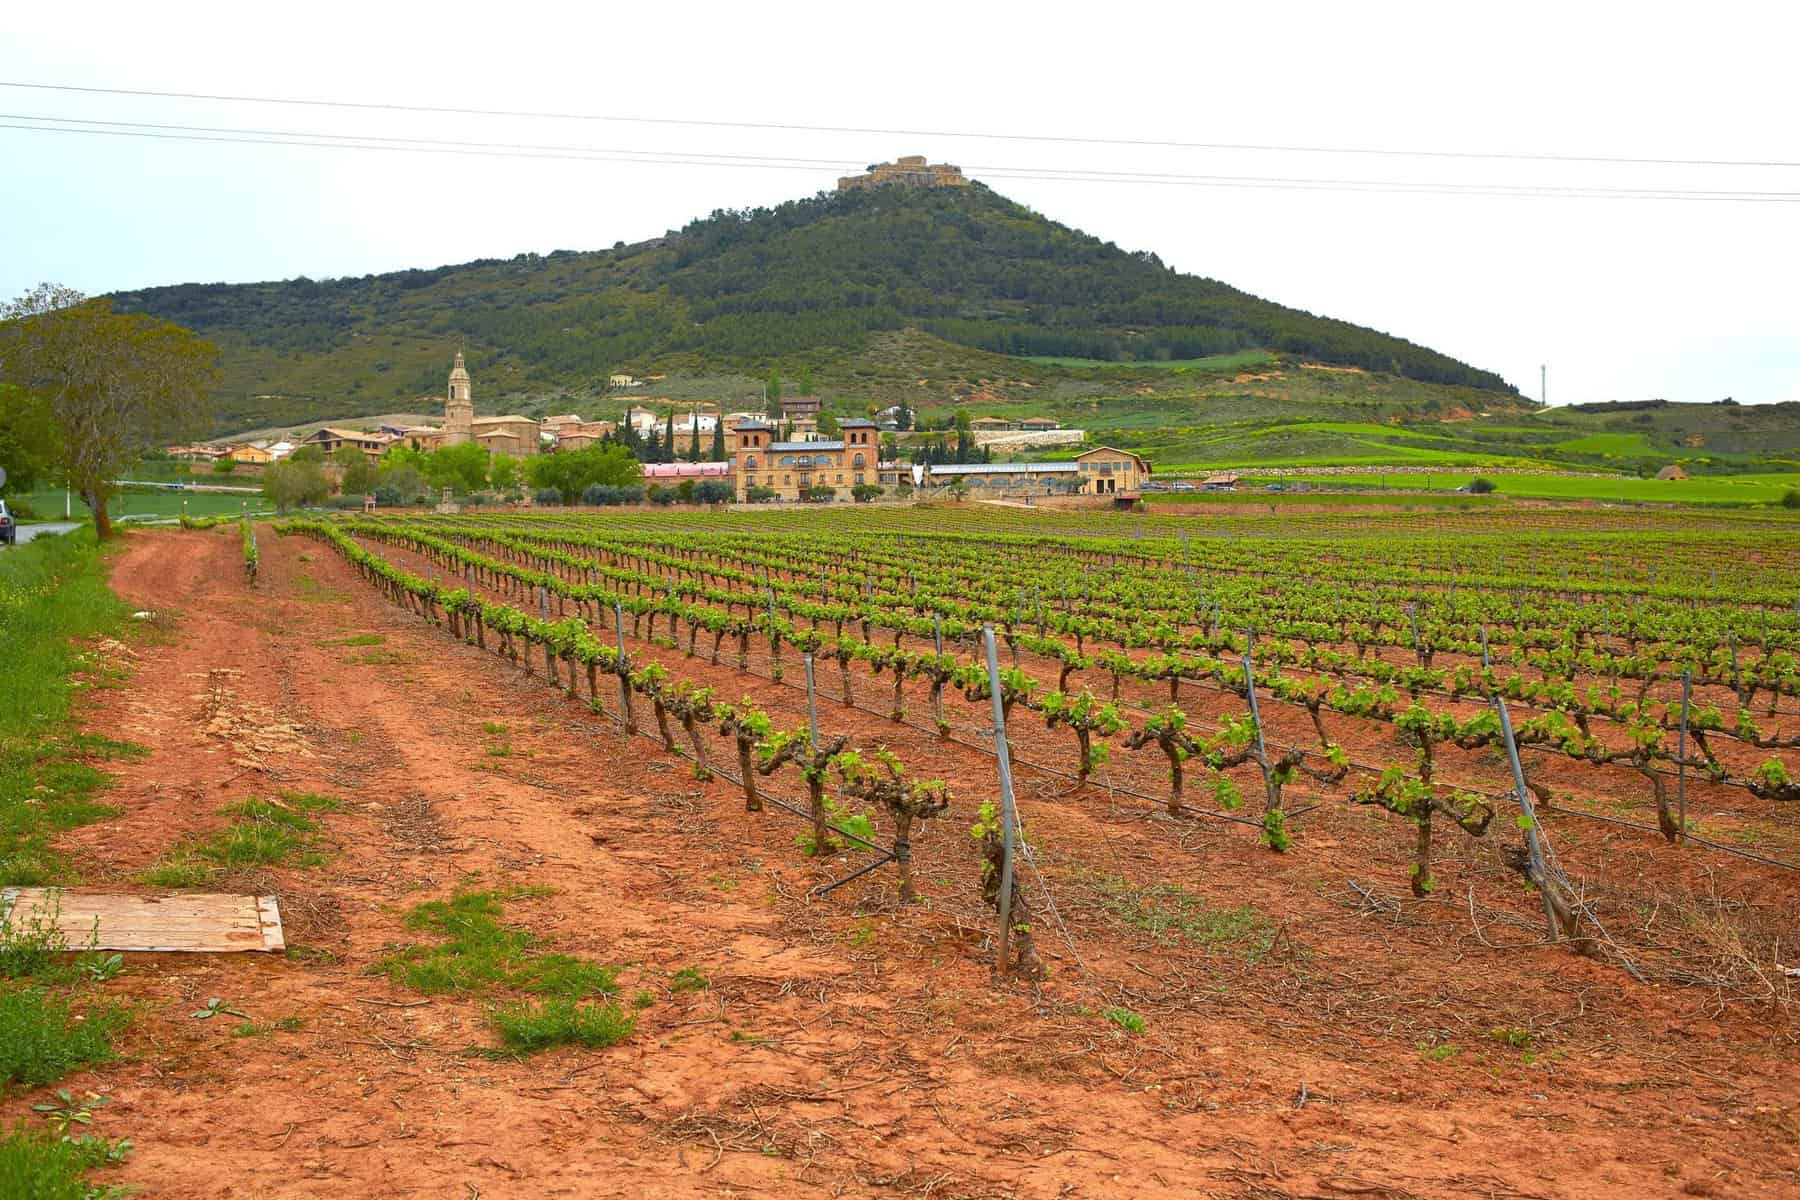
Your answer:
<point x="9" y="527"/>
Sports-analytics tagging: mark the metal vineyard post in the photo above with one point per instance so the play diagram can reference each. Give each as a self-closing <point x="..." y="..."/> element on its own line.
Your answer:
<point x="1008" y="818"/>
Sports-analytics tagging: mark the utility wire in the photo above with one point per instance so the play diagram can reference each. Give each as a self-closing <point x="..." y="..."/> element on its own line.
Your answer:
<point x="227" y="135"/>
<point x="983" y="135"/>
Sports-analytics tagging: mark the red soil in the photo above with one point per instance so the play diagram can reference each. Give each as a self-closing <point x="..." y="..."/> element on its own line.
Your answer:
<point x="846" y="1047"/>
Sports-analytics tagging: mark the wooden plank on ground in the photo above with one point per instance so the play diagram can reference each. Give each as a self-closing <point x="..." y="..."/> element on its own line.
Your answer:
<point x="203" y="923"/>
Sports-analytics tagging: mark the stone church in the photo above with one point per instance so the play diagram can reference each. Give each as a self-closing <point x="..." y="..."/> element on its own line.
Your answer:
<point x="511" y="434"/>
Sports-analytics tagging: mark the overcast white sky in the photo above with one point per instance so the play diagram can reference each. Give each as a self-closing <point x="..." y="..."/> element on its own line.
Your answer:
<point x="1624" y="299"/>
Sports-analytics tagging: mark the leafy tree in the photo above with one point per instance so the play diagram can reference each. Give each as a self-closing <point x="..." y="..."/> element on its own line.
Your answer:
<point x="462" y="467"/>
<point x="828" y="424"/>
<point x="308" y="454"/>
<point x="806" y="380"/>
<point x="712" y="491"/>
<point x="1481" y="485"/>
<point x="295" y="482"/>
<point x="718" y="441"/>
<point x="402" y="481"/>
<point x="503" y="472"/>
<point x="694" y="450"/>
<point x="224" y="466"/>
<point x="570" y="472"/>
<point x="772" y="389"/>
<point x="29" y="447"/>
<point x="360" y="477"/>
<point x="865" y="492"/>
<point x="345" y="457"/>
<point x="1791" y="499"/>
<point x="759" y="494"/>
<point x="114" y="384"/>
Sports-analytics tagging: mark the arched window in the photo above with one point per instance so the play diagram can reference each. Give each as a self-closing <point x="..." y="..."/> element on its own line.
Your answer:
<point x="857" y="462"/>
<point x="750" y="463"/>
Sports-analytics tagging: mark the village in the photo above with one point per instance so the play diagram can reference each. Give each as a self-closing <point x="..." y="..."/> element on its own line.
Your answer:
<point x="793" y="450"/>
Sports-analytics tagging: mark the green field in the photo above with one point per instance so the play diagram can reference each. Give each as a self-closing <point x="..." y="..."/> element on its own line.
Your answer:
<point x="1717" y="489"/>
<point x="49" y="505"/>
<point x="1257" y="496"/>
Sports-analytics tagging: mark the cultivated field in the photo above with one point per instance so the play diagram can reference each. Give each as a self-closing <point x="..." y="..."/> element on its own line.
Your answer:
<point x="579" y="903"/>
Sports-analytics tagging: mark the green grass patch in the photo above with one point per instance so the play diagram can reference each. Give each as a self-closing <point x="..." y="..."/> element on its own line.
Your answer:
<point x="689" y="979"/>
<point x="479" y="953"/>
<point x="311" y="591"/>
<point x="1168" y="912"/>
<point x="534" y="1025"/>
<point x="52" y="592"/>
<point x="43" y="1036"/>
<point x="38" y="1164"/>
<point x="262" y="833"/>
<point x="355" y="639"/>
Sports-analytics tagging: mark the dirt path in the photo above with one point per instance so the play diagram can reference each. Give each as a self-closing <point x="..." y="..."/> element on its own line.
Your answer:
<point x="842" y="1047"/>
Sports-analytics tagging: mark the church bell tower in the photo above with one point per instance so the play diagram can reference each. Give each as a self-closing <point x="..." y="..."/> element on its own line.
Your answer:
<point x="459" y="406"/>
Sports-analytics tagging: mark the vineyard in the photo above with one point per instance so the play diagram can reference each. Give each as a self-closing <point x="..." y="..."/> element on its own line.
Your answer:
<point x="1560" y="728"/>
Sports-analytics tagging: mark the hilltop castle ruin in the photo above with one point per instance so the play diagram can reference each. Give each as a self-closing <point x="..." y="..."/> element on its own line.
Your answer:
<point x="910" y="170"/>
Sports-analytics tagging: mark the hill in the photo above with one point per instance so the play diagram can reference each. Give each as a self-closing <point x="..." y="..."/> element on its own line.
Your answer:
<point x="888" y="294"/>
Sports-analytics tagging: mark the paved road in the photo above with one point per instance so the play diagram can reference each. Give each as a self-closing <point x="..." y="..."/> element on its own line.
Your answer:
<point x="27" y="532"/>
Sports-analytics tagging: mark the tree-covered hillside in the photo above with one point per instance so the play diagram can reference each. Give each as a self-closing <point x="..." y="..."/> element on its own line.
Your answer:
<point x="809" y="281"/>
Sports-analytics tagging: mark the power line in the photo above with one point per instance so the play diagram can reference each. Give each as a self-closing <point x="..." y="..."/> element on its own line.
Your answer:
<point x="228" y="135"/>
<point x="793" y="127"/>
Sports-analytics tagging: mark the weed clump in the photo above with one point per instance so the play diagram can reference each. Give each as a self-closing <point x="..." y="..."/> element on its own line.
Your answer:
<point x="1127" y="1020"/>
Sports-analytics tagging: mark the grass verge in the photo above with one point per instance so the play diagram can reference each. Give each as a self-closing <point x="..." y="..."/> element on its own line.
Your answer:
<point x="52" y="592"/>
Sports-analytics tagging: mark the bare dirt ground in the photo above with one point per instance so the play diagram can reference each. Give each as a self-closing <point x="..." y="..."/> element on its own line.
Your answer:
<point x="844" y="1046"/>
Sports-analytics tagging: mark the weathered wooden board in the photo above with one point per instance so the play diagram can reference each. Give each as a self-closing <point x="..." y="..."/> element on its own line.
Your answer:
<point x="204" y="924"/>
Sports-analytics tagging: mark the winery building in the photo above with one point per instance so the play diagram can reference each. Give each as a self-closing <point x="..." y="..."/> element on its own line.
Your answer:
<point x="1102" y="471"/>
<point x="792" y="468"/>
